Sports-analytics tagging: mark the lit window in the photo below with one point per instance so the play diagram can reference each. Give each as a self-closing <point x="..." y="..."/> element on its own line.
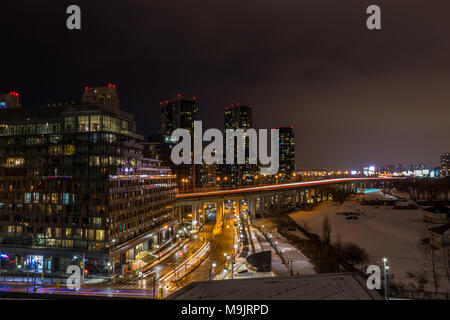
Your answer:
<point x="100" y="235"/>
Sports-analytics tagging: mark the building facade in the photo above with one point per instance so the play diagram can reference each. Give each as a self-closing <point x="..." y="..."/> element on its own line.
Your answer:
<point x="10" y="100"/>
<point x="180" y="113"/>
<point x="286" y="153"/>
<point x="238" y="116"/>
<point x="445" y="164"/>
<point x="74" y="182"/>
<point x="158" y="147"/>
<point x="105" y="96"/>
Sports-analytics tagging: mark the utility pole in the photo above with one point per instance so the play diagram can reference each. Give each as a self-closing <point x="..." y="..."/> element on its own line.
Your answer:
<point x="83" y="261"/>
<point x="28" y="273"/>
<point x="34" y="276"/>
<point x="213" y="266"/>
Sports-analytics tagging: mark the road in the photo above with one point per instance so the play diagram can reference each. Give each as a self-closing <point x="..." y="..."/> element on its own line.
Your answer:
<point x="221" y="244"/>
<point x="190" y="263"/>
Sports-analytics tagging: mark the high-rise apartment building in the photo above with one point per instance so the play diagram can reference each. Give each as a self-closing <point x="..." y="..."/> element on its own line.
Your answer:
<point x="180" y="113"/>
<point x="238" y="116"/>
<point x="104" y="96"/>
<point x="74" y="182"/>
<point x="10" y="100"/>
<point x="286" y="153"/>
<point x="158" y="147"/>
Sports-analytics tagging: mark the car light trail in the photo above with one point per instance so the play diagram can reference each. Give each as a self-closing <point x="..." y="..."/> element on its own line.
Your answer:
<point x="275" y="187"/>
<point x="200" y="252"/>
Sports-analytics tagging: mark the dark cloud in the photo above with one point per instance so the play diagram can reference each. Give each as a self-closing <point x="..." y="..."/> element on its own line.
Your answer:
<point x="354" y="96"/>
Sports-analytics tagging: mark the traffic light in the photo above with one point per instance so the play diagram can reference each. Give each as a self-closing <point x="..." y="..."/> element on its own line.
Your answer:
<point x="86" y="271"/>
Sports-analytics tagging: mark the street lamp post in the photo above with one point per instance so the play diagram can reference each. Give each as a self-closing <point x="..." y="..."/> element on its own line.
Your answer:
<point x="386" y="280"/>
<point x="232" y="266"/>
<point x="213" y="266"/>
<point x="109" y="271"/>
<point x="159" y="252"/>
<point x="1" y="264"/>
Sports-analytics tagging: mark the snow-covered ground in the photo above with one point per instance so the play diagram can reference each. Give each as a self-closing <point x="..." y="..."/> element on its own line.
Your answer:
<point x="382" y="231"/>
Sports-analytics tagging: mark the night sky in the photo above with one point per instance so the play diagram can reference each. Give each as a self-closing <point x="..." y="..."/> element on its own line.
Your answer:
<point x="355" y="97"/>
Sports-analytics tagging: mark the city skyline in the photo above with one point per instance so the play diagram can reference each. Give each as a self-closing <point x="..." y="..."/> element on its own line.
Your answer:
<point x="365" y="96"/>
<point x="224" y="150"/>
<point x="379" y="164"/>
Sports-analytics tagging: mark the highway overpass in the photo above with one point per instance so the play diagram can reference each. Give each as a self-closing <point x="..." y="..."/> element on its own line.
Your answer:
<point x="263" y="197"/>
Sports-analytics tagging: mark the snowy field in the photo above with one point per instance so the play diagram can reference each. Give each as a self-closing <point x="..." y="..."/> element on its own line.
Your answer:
<point x="382" y="231"/>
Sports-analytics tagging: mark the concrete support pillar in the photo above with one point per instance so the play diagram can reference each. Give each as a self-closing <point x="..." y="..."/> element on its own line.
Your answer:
<point x="314" y="195"/>
<point x="252" y="206"/>
<point x="178" y="213"/>
<point x="265" y="203"/>
<point x="194" y="216"/>
<point x="238" y="207"/>
<point x="202" y="216"/>
<point x="145" y="245"/>
<point x="131" y="255"/>
<point x="262" y="203"/>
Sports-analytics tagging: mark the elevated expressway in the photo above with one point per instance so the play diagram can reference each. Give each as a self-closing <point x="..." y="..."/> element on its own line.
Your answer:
<point x="264" y="196"/>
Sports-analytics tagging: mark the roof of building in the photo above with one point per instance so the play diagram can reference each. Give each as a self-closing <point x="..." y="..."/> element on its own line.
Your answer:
<point x="332" y="286"/>
<point x="440" y="229"/>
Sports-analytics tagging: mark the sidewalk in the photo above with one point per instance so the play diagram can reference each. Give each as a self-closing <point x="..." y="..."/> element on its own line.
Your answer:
<point x="254" y="239"/>
<point x="278" y="267"/>
<point x="162" y="255"/>
<point x="295" y="260"/>
<point x="48" y="280"/>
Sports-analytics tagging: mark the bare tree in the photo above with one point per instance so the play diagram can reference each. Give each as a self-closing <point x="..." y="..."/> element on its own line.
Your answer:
<point x="431" y="256"/>
<point x="326" y="230"/>
<point x="446" y="261"/>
